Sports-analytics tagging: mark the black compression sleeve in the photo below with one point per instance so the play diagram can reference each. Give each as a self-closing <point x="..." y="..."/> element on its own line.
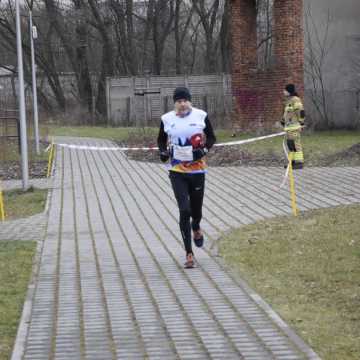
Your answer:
<point x="162" y="138"/>
<point x="209" y="132"/>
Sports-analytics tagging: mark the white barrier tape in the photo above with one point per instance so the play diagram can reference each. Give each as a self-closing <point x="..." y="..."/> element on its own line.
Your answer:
<point x="230" y="143"/>
<point x="103" y="148"/>
<point x="246" y="141"/>
<point x="286" y="176"/>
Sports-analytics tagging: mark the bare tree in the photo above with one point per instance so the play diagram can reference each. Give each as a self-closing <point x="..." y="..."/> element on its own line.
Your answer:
<point x="82" y="70"/>
<point x="264" y="23"/>
<point x="161" y="18"/>
<point x="355" y="60"/>
<point x="181" y="29"/>
<point x="318" y="45"/>
<point x="224" y="38"/>
<point x="355" y="69"/>
<point x="125" y="34"/>
<point x="91" y="40"/>
<point x="44" y="58"/>
<point x="194" y="44"/>
<point x="101" y="23"/>
<point x="49" y="68"/>
<point x="208" y="18"/>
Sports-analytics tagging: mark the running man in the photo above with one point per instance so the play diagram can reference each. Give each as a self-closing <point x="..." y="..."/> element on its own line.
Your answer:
<point x="185" y="137"/>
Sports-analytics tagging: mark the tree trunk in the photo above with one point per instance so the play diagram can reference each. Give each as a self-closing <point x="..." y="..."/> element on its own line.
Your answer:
<point x="162" y="20"/>
<point x="107" y="65"/>
<point x="225" y="39"/>
<point x="208" y="21"/>
<point x="177" y="38"/>
<point x="82" y="70"/>
<point x="132" y="58"/>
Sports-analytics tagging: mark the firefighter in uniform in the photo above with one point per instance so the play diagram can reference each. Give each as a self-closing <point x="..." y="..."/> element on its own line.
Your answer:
<point x="293" y="122"/>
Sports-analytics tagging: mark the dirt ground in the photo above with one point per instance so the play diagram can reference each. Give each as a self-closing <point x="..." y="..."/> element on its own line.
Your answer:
<point x="11" y="170"/>
<point x="10" y="166"/>
<point x="349" y="156"/>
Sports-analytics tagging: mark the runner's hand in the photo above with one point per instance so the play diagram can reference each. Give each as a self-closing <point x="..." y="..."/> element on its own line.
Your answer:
<point x="164" y="156"/>
<point x="199" y="153"/>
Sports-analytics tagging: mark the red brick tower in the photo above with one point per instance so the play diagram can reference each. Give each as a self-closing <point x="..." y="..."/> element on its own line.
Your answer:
<point x="257" y="94"/>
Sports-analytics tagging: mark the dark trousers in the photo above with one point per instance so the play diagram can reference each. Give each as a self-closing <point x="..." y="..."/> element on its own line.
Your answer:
<point x="189" y="193"/>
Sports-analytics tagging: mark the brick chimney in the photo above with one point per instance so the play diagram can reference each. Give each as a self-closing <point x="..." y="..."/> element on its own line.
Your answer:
<point x="257" y="93"/>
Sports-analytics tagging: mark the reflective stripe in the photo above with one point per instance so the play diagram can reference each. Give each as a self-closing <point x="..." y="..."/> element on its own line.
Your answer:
<point x="299" y="156"/>
<point x="292" y="127"/>
<point x="298" y="106"/>
<point x="292" y="113"/>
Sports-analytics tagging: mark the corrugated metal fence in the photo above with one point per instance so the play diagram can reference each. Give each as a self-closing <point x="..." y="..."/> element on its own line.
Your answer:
<point x="140" y="101"/>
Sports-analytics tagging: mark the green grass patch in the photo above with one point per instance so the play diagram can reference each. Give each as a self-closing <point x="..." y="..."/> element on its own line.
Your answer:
<point x="321" y="148"/>
<point x="15" y="269"/>
<point x="110" y="133"/>
<point x="9" y="151"/>
<point x="122" y="133"/>
<point x="317" y="145"/>
<point x="308" y="269"/>
<point x="19" y="204"/>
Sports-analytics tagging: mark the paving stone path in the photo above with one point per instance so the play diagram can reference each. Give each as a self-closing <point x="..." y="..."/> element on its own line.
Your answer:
<point x="41" y="183"/>
<point x="31" y="228"/>
<point x="111" y="283"/>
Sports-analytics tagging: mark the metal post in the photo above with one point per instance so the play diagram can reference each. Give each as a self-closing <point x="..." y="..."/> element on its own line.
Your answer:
<point x="33" y="71"/>
<point x="23" y="134"/>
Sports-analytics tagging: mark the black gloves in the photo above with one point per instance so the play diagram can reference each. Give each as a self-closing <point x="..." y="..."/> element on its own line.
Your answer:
<point x="199" y="153"/>
<point x="164" y="155"/>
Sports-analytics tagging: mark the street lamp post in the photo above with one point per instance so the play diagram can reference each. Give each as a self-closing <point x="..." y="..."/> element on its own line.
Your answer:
<point x="23" y="134"/>
<point x="33" y="74"/>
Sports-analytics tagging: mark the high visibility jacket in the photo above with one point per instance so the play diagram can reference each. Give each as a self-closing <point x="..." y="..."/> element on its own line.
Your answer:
<point x="294" y="114"/>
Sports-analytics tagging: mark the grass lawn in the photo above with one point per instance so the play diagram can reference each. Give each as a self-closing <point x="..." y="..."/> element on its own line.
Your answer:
<point x="308" y="269"/>
<point x="317" y="146"/>
<point x="19" y="204"/>
<point x="9" y="151"/>
<point x="15" y="270"/>
<point x="111" y="133"/>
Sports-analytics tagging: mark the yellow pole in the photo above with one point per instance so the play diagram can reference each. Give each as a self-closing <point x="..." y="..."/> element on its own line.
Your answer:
<point x="49" y="161"/>
<point x="2" y="211"/>
<point x="292" y="185"/>
<point x="51" y="155"/>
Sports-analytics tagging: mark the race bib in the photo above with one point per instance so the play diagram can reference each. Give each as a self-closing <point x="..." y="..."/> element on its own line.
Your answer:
<point x="183" y="153"/>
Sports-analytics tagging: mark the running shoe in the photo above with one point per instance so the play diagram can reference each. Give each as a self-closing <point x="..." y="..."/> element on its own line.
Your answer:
<point x="198" y="238"/>
<point x="190" y="263"/>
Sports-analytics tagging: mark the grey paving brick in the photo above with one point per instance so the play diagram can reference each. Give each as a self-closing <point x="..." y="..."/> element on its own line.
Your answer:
<point x="111" y="283"/>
